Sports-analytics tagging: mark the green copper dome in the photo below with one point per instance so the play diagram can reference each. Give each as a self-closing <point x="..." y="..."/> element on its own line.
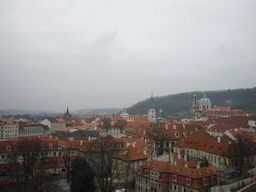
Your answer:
<point x="204" y="100"/>
<point x="125" y="114"/>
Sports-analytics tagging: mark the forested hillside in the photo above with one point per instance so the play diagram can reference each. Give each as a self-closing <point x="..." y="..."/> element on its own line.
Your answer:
<point x="175" y="104"/>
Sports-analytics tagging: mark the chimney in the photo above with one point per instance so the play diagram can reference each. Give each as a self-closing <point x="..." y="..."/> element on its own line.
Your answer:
<point x="145" y="152"/>
<point x="175" y="162"/>
<point x="195" y="129"/>
<point x="145" y="140"/>
<point x="218" y="139"/>
<point x="184" y="126"/>
<point x="171" y="159"/>
<point x="235" y="129"/>
<point x="174" y="126"/>
<point x="81" y="143"/>
<point x="144" y="133"/>
<point x="89" y="139"/>
<point x="186" y="164"/>
<point x="179" y="155"/>
<point x="185" y="157"/>
<point x="198" y="165"/>
<point x="133" y="145"/>
<point x="50" y="136"/>
<point x="166" y="126"/>
<point x="70" y="138"/>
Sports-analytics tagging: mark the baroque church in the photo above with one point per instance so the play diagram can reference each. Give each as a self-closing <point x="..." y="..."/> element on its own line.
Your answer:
<point x="200" y="105"/>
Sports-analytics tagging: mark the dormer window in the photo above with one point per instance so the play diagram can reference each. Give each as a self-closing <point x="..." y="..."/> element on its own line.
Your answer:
<point x="205" y="181"/>
<point x="174" y="177"/>
<point x="50" y="146"/>
<point x="8" y="148"/>
<point x="188" y="181"/>
<point x="59" y="146"/>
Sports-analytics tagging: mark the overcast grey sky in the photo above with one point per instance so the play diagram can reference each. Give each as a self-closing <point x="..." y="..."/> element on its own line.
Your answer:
<point x="113" y="53"/>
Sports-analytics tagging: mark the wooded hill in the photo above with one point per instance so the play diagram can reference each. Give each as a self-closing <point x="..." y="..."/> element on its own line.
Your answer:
<point x="179" y="104"/>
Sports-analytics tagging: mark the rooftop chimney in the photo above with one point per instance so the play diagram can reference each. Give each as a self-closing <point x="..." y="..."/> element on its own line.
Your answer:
<point x="144" y="133"/>
<point x="218" y="139"/>
<point x="186" y="164"/>
<point x="81" y="142"/>
<point x="50" y="136"/>
<point x="185" y="157"/>
<point x="166" y="126"/>
<point x="198" y="165"/>
<point x="171" y="159"/>
<point x="184" y="126"/>
<point x="145" y="152"/>
<point x="174" y="126"/>
<point x="179" y="155"/>
<point x="175" y="162"/>
<point x="133" y="145"/>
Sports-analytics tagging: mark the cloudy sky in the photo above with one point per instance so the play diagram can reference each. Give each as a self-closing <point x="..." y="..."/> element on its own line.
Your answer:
<point x="89" y="54"/>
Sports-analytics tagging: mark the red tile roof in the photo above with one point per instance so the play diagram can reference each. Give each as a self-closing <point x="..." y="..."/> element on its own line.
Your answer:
<point x="168" y="170"/>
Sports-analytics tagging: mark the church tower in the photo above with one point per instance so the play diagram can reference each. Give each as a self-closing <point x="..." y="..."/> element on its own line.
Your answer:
<point x="194" y="107"/>
<point x="67" y="116"/>
<point x="152" y="111"/>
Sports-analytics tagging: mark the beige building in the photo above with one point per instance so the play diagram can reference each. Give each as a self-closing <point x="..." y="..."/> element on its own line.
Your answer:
<point x="54" y="123"/>
<point x="8" y="128"/>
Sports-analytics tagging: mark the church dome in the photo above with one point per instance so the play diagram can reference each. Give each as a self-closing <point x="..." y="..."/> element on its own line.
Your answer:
<point x="204" y="100"/>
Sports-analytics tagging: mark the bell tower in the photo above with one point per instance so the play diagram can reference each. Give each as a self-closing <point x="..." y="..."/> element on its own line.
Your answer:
<point x="152" y="111"/>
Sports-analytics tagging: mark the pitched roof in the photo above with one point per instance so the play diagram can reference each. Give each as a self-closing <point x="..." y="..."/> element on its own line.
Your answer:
<point x="168" y="170"/>
<point x="60" y="120"/>
<point x="135" y="151"/>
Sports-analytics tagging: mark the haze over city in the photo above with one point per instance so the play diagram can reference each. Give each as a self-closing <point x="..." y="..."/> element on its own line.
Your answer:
<point x="90" y="54"/>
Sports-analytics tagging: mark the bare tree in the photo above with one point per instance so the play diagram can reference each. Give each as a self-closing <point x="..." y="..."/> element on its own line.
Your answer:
<point x="106" y="123"/>
<point x="238" y="151"/>
<point x="29" y="151"/>
<point x="158" y="135"/>
<point x="99" y="156"/>
<point x="66" y="155"/>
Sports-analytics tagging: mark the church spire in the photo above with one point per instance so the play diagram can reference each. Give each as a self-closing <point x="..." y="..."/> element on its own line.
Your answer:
<point x="67" y="111"/>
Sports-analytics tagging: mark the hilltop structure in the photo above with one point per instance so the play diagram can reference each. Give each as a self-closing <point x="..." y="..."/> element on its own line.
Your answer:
<point x="152" y="111"/>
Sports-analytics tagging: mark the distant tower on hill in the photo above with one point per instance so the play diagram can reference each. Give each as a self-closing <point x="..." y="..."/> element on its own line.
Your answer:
<point x="67" y="116"/>
<point x="152" y="111"/>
